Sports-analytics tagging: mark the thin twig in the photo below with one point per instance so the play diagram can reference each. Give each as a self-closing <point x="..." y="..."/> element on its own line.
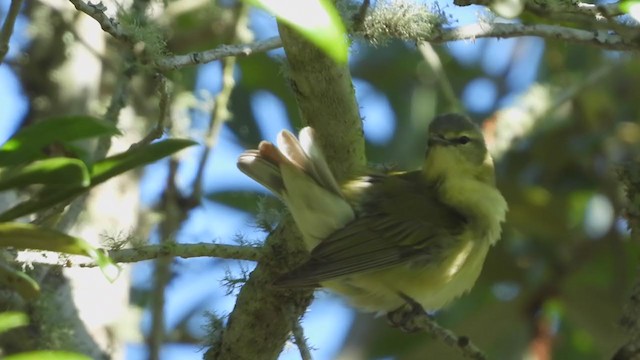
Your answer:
<point x="413" y="318"/>
<point x="501" y="30"/>
<point x="184" y="251"/>
<point x="223" y="51"/>
<point x="97" y="11"/>
<point x="174" y="215"/>
<point x="7" y="27"/>
<point x="594" y="11"/>
<point x="219" y="116"/>
<point x="423" y="322"/>
<point x="433" y="60"/>
<point x="301" y="341"/>
<point x="118" y="101"/>
<point x="150" y="252"/>
<point x="164" y="88"/>
<point x="220" y="113"/>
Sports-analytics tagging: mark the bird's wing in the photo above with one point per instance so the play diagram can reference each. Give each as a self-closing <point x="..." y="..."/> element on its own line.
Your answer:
<point x="411" y="224"/>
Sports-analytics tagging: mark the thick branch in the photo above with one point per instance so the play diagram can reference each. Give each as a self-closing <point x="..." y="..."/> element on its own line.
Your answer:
<point x="263" y="316"/>
<point x="326" y="99"/>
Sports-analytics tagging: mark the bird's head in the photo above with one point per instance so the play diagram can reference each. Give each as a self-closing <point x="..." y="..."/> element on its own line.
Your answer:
<point x="457" y="148"/>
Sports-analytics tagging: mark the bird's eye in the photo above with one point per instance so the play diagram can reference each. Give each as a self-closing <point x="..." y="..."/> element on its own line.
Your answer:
<point x="463" y="140"/>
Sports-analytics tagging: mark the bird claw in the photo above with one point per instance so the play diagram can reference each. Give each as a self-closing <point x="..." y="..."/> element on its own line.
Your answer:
<point x="404" y="316"/>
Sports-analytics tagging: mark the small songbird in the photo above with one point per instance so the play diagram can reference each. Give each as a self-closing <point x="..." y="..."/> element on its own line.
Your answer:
<point x="383" y="238"/>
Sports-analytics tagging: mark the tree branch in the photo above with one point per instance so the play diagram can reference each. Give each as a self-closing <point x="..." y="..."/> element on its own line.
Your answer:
<point x="326" y="99"/>
<point x="423" y="322"/>
<point x="587" y="10"/>
<point x="196" y="58"/>
<point x="301" y="341"/>
<point x="150" y="252"/>
<point x="265" y="312"/>
<point x="185" y="251"/>
<point x="407" y="23"/>
<point x="600" y="38"/>
<point x="97" y="11"/>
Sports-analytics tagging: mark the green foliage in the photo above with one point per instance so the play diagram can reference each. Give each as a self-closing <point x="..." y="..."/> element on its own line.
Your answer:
<point x="631" y="7"/>
<point x="317" y="20"/>
<point x="12" y="319"/>
<point x="101" y="171"/>
<point x="28" y="144"/>
<point x="23" y="163"/>
<point x="19" y="282"/>
<point x="63" y="172"/>
<point x="47" y="355"/>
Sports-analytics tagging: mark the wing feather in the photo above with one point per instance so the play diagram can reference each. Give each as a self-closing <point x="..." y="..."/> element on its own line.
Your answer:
<point x="383" y="237"/>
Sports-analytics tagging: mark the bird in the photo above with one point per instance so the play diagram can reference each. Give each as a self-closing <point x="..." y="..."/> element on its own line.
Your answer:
<point x="385" y="239"/>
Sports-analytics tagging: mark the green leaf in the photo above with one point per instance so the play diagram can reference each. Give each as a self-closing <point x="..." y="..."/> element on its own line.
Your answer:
<point x="632" y="8"/>
<point x="19" y="282"/>
<point x="47" y="355"/>
<point x="12" y="319"/>
<point x="44" y="199"/>
<point x="317" y="20"/>
<point x="27" y="144"/>
<point x="27" y="236"/>
<point x="63" y="171"/>
<point x="133" y="158"/>
<point x="101" y="172"/>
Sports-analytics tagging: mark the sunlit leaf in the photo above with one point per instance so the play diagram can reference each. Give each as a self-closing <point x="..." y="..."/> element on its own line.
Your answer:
<point x="27" y="144"/>
<point x="317" y="20"/>
<point x="19" y="282"/>
<point x="55" y="171"/>
<point x="27" y="236"/>
<point x="47" y="355"/>
<point x="12" y="319"/>
<point x="632" y="8"/>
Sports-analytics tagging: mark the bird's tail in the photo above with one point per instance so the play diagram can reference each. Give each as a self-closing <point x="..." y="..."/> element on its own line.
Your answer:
<point x="298" y="173"/>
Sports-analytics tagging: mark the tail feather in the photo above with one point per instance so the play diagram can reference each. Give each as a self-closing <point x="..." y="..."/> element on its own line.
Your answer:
<point x="263" y="165"/>
<point x="262" y="169"/>
<point x="298" y="173"/>
<point x="320" y="168"/>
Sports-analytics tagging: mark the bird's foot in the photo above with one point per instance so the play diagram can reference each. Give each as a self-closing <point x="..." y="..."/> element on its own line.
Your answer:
<point x="406" y="315"/>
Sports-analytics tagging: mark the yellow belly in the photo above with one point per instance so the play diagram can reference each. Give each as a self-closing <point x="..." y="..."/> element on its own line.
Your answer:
<point x="431" y="285"/>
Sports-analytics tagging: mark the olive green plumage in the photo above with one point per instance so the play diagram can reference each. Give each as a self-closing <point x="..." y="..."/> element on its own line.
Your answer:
<point x="422" y="233"/>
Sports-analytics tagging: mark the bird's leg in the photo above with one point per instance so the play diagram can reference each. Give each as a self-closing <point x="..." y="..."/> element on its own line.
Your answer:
<point x="404" y="316"/>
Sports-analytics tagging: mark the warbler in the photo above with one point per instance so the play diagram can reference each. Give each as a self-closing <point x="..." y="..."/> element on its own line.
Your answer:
<point x="381" y="238"/>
